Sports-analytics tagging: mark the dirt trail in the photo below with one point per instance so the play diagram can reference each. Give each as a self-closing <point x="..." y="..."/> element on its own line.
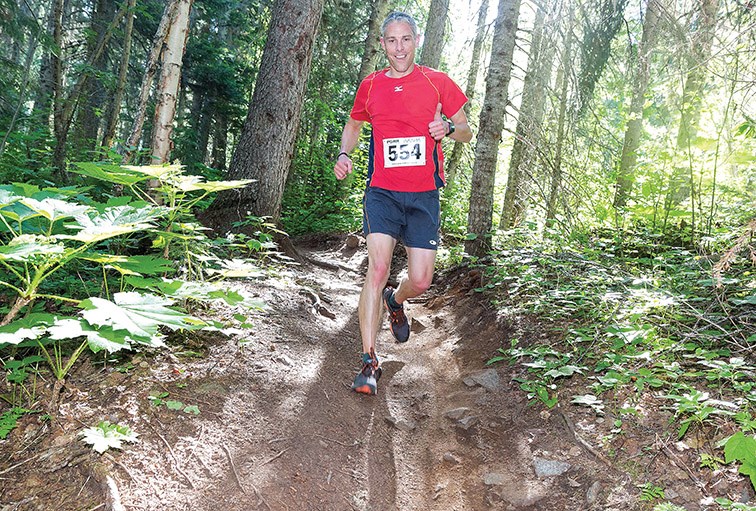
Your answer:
<point x="280" y="428"/>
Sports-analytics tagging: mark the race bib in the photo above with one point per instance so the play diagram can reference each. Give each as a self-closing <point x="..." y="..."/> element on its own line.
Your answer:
<point x="404" y="152"/>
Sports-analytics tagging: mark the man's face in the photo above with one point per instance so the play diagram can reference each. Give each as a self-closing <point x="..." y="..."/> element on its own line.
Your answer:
<point x="399" y="45"/>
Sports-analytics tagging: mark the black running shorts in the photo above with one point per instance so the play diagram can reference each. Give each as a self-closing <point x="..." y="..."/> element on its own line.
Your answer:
<point x="412" y="217"/>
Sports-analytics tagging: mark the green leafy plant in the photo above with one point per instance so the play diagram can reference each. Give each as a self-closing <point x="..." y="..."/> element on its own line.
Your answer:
<point x="44" y="232"/>
<point x="172" y="404"/>
<point x="544" y="364"/>
<point x="106" y="436"/>
<point x="650" y="492"/>
<point x="17" y="374"/>
<point x="9" y="420"/>
<point x="742" y="449"/>
<point x="729" y="505"/>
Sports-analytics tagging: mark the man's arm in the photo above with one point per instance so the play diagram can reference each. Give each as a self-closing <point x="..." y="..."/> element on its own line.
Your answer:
<point x="349" y="139"/>
<point x="439" y="128"/>
<point x="462" y="131"/>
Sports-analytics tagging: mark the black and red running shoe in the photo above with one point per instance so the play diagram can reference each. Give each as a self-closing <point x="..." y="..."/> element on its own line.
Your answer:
<point x="366" y="381"/>
<point x="399" y="324"/>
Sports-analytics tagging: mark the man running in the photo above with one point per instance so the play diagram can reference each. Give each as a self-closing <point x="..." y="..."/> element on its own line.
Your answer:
<point x="404" y="104"/>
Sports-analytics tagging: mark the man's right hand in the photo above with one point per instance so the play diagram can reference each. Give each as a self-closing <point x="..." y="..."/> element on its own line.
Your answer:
<point x="343" y="166"/>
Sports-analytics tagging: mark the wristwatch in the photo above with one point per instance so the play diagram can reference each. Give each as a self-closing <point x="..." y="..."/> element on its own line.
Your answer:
<point x="451" y="128"/>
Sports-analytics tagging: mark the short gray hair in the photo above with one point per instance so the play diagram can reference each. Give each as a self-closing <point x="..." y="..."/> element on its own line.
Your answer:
<point x="399" y="16"/>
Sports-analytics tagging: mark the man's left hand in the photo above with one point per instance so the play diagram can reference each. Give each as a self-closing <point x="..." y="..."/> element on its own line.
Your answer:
<point x="438" y="128"/>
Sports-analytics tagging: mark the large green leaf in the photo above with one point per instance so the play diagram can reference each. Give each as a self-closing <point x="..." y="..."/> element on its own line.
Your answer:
<point x="193" y="183"/>
<point x="31" y="327"/>
<point x="104" y="338"/>
<point x="742" y="448"/>
<point x="106" y="172"/>
<point x="139" y="314"/>
<point x="146" y="265"/>
<point x="18" y="212"/>
<point x="114" y="221"/>
<point x="106" y="435"/>
<point x="54" y="209"/>
<point x="32" y="248"/>
<point x="7" y="198"/>
<point x="235" y="268"/>
<point x="155" y="171"/>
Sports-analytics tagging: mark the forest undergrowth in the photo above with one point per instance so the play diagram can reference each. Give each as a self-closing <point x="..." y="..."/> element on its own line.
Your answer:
<point x="634" y="316"/>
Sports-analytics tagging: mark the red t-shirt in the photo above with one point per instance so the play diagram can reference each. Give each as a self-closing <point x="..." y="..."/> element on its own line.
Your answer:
<point x="403" y="156"/>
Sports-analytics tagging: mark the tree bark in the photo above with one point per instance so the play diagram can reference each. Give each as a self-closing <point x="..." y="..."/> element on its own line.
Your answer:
<point x="640" y="79"/>
<point x="64" y="107"/>
<point x="150" y="68"/>
<point x="695" y="80"/>
<point x="56" y="62"/>
<point x="472" y="81"/>
<point x="529" y="120"/>
<point x="372" y="41"/>
<point x="690" y="114"/>
<point x="266" y="144"/>
<point x="170" y="78"/>
<point x="480" y="217"/>
<point x="43" y="99"/>
<point x="115" y="105"/>
<point x="556" y="170"/>
<point x="220" y="141"/>
<point x="93" y="95"/>
<point x="433" y="44"/>
<point x="27" y="65"/>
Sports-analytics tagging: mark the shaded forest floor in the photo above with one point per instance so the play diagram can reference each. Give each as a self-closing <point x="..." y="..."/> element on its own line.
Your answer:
<point x="280" y="429"/>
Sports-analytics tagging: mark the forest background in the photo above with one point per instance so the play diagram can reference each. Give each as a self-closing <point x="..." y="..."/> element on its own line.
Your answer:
<point x="611" y="182"/>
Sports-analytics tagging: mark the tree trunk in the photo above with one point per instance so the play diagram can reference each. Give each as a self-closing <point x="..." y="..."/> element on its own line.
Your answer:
<point x="200" y="117"/>
<point x="480" y="216"/>
<point x="220" y="141"/>
<point x="150" y="68"/>
<point x="696" y="78"/>
<point x="115" y="106"/>
<point x="31" y="49"/>
<point x="204" y="130"/>
<point x="56" y="61"/>
<point x="529" y="120"/>
<point x="472" y="81"/>
<point x="170" y="78"/>
<point x="266" y="144"/>
<point x="93" y="95"/>
<point x="640" y="78"/>
<point x="372" y="41"/>
<point x="433" y="44"/>
<point x="43" y="99"/>
<point x="600" y="27"/>
<point x="64" y="107"/>
<point x="693" y="91"/>
<point x="556" y="170"/>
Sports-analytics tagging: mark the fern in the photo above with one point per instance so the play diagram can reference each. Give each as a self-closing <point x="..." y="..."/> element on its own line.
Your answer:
<point x="9" y="420"/>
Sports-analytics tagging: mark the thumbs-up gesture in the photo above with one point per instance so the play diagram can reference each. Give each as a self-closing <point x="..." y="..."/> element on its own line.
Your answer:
<point x="438" y="128"/>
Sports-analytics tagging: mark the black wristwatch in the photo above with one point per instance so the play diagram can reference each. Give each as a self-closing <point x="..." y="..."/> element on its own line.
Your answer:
<point x="451" y="128"/>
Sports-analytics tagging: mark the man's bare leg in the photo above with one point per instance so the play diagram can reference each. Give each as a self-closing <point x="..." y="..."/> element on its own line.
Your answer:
<point x="420" y="266"/>
<point x="380" y="250"/>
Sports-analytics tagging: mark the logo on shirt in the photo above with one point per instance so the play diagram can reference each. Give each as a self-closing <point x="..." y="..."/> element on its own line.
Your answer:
<point x="398" y="88"/>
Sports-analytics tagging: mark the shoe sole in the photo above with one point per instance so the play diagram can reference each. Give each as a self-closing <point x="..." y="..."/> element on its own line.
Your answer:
<point x="365" y="389"/>
<point x="368" y="389"/>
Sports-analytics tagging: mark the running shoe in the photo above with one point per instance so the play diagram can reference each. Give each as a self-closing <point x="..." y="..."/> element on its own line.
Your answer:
<point x="366" y="381"/>
<point x="399" y="324"/>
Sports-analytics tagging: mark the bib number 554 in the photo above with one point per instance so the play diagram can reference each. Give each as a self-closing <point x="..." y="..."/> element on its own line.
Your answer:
<point x="404" y="152"/>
